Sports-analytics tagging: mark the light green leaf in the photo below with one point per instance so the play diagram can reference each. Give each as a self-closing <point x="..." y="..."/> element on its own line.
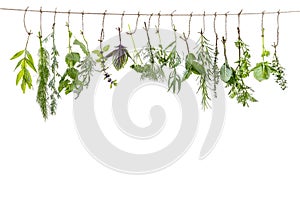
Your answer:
<point x="19" y="64"/>
<point x="72" y="58"/>
<point x="225" y="73"/>
<point x="18" y="54"/>
<point x="82" y="46"/>
<point x="29" y="57"/>
<point x="23" y="86"/>
<point x="19" y="76"/>
<point x="261" y="72"/>
<point x="106" y="48"/>
<point x="30" y="64"/>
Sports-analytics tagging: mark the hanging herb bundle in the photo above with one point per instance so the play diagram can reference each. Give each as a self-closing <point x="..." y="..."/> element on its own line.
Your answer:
<point x="239" y="89"/>
<point x="24" y="63"/>
<point x="54" y="67"/>
<point x="279" y="70"/>
<point x="216" y="72"/>
<point x="151" y="69"/>
<point x="263" y="69"/>
<point x="119" y="55"/>
<point x="205" y="56"/>
<point x="70" y="79"/>
<point x="44" y="73"/>
<point x="169" y="57"/>
<point x="86" y="65"/>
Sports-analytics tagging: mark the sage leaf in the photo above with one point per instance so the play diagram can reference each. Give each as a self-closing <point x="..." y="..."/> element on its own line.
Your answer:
<point x="225" y="73"/>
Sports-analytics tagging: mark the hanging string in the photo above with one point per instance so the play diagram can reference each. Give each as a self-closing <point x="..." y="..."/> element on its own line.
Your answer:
<point x="41" y="26"/>
<point x="82" y="22"/>
<point x="277" y="42"/>
<point x="101" y="39"/>
<point x="225" y="37"/>
<point x="54" y="19"/>
<point x="203" y="23"/>
<point x="149" y="21"/>
<point x="136" y="25"/>
<point x="24" y="22"/>
<point x="185" y="38"/>
<point x="148" y="14"/>
<point x="215" y="29"/>
<point x="262" y="20"/>
<point x="172" y="22"/>
<point x="158" y="22"/>
<point x="69" y="13"/>
<point x="239" y="24"/>
<point x="122" y="17"/>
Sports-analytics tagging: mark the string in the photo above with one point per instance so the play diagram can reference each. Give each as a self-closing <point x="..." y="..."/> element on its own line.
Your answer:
<point x="226" y="14"/>
<point x="121" y="27"/>
<point x="82" y="22"/>
<point x="277" y="42"/>
<point x="172" y="22"/>
<point x="54" y="19"/>
<point x="262" y="20"/>
<point x="203" y="23"/>
<point x="215" y="19"/>
<point x="136" y="24"/>
<point x="24" y="22"/>
<point x="102" y="29"/>
<point x="148" y="14"/>
<point x="158" y="21"/>
<point x="149" y="21"/>
<point x="41" y="26"/>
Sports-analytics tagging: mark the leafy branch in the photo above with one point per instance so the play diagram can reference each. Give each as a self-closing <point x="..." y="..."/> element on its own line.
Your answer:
<point x="70" y="79"/>
<point x="279" y="70"/>
<point x="24" y="63"/>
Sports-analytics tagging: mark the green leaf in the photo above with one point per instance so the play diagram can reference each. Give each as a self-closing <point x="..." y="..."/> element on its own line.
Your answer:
<point x="20" y="63"/>
<point x="18" y="54"/>
<point x="186" y="75"/>
<point x="199" y="68"/>
<point x="261" y="72"/>
<point x="190" y="58"/>
<point x="72" y="58"/>
<point x="105" y="48"/>
<point x="82" y="46"/>
<point x="23" y="86"/>
<point x="29" y="57"/>
<point x="225" y="73"/>
<point x="73" y="73"/>
<point x="19" y="76"/>
<point x="30" y="64"/>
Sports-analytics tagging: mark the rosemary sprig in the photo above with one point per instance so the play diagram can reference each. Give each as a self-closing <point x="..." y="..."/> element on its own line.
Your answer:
<point x="44" y="73"/>
<point x="216" y="71"/>
<point x="206" y="59"/>
<point x="24" y="63"/>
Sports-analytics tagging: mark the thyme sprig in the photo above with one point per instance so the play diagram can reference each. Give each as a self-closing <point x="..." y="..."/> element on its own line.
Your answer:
<point x="279" y="70"/>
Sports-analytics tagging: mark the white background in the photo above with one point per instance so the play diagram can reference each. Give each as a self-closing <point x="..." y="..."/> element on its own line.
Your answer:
<point x="256" y="158"/>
